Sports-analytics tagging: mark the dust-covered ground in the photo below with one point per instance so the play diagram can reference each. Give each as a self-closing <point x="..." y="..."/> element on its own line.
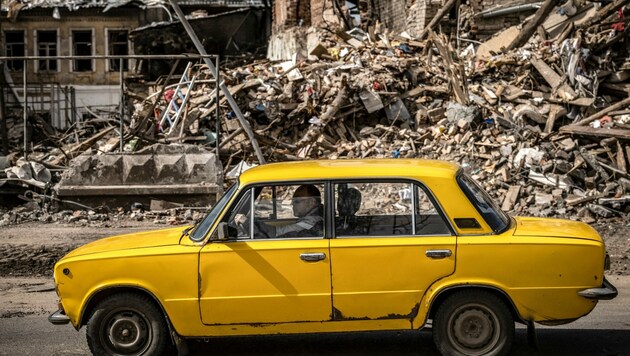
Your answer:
<point x="29" y="251"/>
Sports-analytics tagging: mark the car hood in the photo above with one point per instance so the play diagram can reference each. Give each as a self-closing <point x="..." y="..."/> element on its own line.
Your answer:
<point x="526" y="226"/>
<point x="131" y="241"/>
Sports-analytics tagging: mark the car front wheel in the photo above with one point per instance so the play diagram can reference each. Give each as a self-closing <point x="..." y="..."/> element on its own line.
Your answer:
<point x="473" y="323"/>
<point x="127" y="324"/>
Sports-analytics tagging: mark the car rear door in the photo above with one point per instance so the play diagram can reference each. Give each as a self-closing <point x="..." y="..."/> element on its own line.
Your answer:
<point x="386" y="254"/>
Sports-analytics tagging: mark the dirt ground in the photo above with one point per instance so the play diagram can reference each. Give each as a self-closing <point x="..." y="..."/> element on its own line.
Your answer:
<point x="29" y="251"/>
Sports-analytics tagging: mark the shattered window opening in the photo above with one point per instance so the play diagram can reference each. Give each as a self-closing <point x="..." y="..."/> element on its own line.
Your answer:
<point x="118" y="45"/>
<point x="47" y="47"/>
<point x="15" y="47"/>
<point x="82" y="46"/>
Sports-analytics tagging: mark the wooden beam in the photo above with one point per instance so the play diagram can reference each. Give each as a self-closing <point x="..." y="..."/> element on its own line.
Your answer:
<point x="619" y="105"/>
<point x="554" y="79"/>
<point x="621" y="159"/>
<point x="555" y="112"/>
<point x="530" y="26"/>
<point x="599" y="132"/>
<point x="437" y="18"/>
<point x="511" y="197"/>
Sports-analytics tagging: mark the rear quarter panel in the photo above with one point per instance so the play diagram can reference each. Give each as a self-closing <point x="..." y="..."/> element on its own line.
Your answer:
<point x="541" y="275"/>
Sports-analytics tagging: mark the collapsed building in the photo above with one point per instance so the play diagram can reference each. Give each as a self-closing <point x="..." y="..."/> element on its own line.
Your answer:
<point x="537" y="112"/>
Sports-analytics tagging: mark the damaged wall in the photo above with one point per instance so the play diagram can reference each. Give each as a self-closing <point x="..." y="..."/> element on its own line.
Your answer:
<point x="91" y="19"/>
<point x="490" y="16"/>
<point x="292" y="17"/>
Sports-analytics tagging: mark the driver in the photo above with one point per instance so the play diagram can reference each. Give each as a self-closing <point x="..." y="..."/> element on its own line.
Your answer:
<point x="307" y="207"/>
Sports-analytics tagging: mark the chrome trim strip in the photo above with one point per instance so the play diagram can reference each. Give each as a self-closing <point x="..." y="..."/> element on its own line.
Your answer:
<point x="606" y="292"/>
<point x="59" y="318"/>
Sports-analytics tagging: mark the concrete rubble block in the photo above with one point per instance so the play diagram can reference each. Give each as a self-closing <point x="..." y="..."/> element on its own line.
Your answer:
<point x="21" y="170"/>
<point x="600" y="210"/>
<point x="530" y="155"/>
<point x="138" y="169"/>
<point x="456" y="112"/>
<point x="105" y="169"/>
<point x="544" y="199"/>
<point x="40" y="172"/>
<point x="200" y="167"/>
<point x="177" y="173"/>
<point x="397" y="111"/>
<point x="169" y="168"/>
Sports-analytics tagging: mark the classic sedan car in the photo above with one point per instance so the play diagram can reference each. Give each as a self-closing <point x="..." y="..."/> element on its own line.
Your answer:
<point x="337" y="246"/>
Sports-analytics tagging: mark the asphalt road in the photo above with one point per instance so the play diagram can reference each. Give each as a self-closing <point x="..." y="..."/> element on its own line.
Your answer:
<point x="606" y="331"/>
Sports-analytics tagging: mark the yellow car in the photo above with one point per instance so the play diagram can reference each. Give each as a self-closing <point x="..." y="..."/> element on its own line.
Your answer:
<point x="337" y="246"/>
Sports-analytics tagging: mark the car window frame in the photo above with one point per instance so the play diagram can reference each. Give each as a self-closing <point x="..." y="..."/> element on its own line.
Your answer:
<point x="414" y="182"/>
<point x="217" y="210"/>
<point x="248" y="187"/>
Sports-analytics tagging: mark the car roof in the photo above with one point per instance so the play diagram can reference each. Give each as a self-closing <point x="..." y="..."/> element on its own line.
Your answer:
<point x="350" y="168"/>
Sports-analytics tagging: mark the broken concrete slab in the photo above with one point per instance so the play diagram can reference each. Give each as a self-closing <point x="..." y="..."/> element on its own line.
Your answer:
<point x="164" y="170"/>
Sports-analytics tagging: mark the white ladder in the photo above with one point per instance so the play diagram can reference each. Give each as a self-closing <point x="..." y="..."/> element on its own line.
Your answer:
<point x="172" y="106"/>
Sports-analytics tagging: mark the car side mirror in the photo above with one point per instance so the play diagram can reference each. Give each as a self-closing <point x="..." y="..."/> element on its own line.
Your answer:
<point x="225" y="232"/>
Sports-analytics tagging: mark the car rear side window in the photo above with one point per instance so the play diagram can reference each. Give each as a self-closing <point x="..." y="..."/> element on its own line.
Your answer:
<point x="385" y="208"/>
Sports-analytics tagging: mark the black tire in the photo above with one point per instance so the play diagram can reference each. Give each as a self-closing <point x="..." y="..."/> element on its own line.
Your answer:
<point x="127" y="324"/>
<point x="473" y="323"/>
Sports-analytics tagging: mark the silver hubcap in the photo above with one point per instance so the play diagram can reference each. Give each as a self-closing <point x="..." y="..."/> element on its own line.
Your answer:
<point x="127" y="333"/>
<point x="474" y="329"/>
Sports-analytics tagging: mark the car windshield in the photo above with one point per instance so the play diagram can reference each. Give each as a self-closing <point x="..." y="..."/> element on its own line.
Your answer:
<point x="494" y="217"/>
<point x="202" y="229"/>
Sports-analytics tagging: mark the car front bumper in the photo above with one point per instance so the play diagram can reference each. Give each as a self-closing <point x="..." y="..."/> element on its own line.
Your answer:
<point x="605" y="292"/>
<point x="59" y="318"/>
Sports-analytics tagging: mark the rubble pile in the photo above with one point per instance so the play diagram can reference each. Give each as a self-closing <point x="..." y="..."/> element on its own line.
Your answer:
<point x="540" y="117"/>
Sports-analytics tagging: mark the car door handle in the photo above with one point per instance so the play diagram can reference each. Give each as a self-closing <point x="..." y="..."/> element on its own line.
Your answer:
<point x="312" y="257"/>
<point x="437" y="254"/>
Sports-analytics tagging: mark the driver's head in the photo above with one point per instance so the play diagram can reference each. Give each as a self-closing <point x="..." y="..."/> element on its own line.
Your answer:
<point x="305" y="198"/>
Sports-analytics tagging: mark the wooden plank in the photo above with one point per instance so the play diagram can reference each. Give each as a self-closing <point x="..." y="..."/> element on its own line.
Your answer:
<point x="621" y="159"/>
<point x="437" y="18"/>
<point x="555" y="112"/>
<point x="599" y="132"/>
<point x="419" y="90"/>
<point x="530" y="26"/>
<point x="619" y="105"/>
<point x="511" y="197"/>
<point x="554" y="79"/>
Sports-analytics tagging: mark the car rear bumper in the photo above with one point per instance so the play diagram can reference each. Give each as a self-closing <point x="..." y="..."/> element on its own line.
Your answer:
<point x="605" y="292"/>
<point x="59" y="317"/>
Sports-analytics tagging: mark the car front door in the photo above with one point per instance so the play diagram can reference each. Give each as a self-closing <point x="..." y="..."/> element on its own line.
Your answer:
<point x="258" y="278"/>
<point x="392" y="242"/>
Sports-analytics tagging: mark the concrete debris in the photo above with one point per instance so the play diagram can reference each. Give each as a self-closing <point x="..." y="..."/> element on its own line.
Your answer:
<point x="540" y="115"/>
<point x="189" y="174"/>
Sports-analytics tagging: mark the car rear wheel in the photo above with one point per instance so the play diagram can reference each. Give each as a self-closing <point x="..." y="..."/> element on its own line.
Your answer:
<point x="127" y="324"/>
<point x="473" y="323"/>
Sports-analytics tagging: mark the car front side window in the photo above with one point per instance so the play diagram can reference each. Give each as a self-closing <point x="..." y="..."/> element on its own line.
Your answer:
<point x="280" y="211"/>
